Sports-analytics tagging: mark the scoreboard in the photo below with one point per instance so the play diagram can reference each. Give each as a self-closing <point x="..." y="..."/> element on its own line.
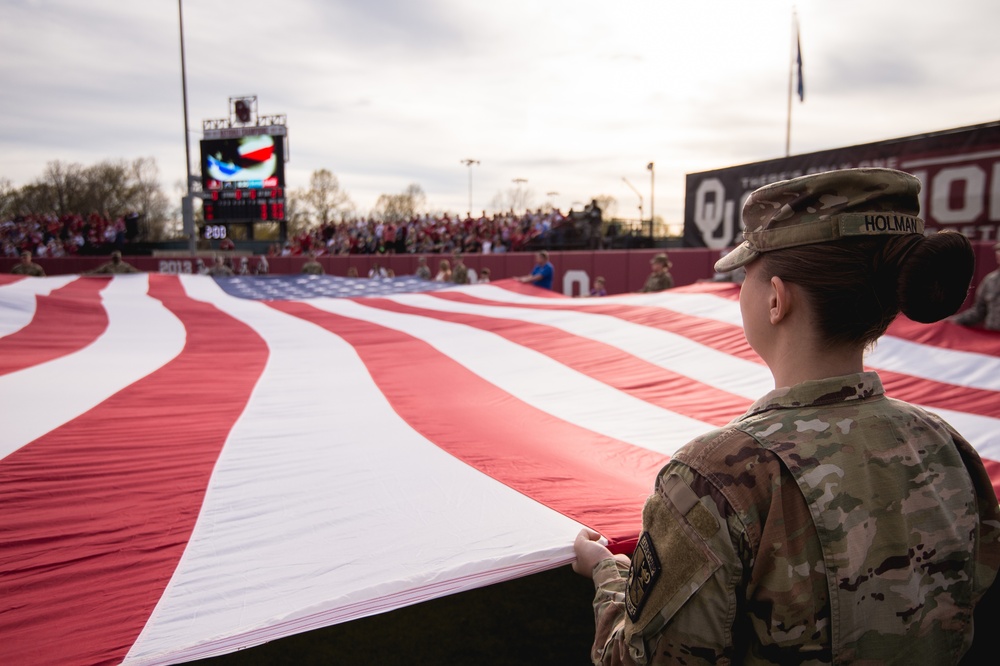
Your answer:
<point x="244" y="205"/>
<point x="243" y="176"/>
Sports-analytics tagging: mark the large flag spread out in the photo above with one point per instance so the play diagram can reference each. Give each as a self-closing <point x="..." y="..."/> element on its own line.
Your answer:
<point x="190" y="466"/>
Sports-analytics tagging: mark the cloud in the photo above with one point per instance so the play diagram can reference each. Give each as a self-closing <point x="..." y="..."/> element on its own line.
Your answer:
<point x="571" y="95"/>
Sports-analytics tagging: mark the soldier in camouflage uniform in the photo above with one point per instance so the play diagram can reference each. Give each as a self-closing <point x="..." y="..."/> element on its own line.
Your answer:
<point x="459" y="271"/>
<point x="830" y="523"/>
<point x="986" y="308"/>
<point x="219" y="268"/>
<point x="312" y="267"/>
<point x="116" y="265"/>
<point x="27" y="267"/>
<point x="660" y="279"/>
<point x="423" y="270"/>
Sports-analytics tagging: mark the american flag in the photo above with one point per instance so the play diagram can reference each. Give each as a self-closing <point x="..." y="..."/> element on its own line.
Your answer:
<point x="190" y="466"/>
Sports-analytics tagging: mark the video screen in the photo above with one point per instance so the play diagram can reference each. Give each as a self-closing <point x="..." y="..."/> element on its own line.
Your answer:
<point x="242" y="163"/>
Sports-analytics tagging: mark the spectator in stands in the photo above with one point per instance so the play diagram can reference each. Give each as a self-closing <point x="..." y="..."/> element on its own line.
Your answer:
<point x="423" y="270"/>
<point x="312" y="267"/>
<point x="116" y="265"/>
<point x="986" y="308"/>
<point x="444" y="271"/>
<point x="219" y="268"/>
<point x="27" y="267"/>
<point x="830" y="523"/>
<point x="592" y="212"/>
<point x="660" y="278"/>
<point x="599" y="289"/>
<point x="543" y="272"/>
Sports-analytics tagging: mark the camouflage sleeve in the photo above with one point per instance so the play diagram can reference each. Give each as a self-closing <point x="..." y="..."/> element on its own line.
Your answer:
<point x="701" y="588"/>
<point x="987" y="299"/>
<point x="678" y="603"/>
<point x="973" y="315"/>
<point x="609" y="612"/>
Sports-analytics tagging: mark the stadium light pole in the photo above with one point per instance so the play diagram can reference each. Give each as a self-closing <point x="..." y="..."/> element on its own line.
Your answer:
<point x="187" y="205"/>
<point x="469" y="162"/>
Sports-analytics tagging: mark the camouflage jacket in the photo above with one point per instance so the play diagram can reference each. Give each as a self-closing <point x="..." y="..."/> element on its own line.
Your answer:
<point x="828" y="524"/>
<point x="31" y="269"/>
<point x="658" y="282"/>
<point x="114" y="268"/>
<point x="986" y="308"/>
<point x="312" y="267"/>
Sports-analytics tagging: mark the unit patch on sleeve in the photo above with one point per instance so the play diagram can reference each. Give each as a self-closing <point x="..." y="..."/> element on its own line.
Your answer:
<point x="642" y="575"/>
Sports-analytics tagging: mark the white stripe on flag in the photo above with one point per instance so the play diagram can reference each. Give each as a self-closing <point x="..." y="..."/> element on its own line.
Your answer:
<point x="17" y="301"/>
<point x="667" y="350"/>
<point x="950" y="366"/>
<point x="141" y="337"/>
<point x="565" y="393"/>
<point x="274" y="530"/>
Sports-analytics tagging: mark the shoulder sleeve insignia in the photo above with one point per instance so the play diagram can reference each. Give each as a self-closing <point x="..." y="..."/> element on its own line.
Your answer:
<point x="642" y="575"/>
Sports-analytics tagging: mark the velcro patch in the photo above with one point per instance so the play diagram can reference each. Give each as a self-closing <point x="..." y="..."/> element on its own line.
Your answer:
<point x="642" y="575"/>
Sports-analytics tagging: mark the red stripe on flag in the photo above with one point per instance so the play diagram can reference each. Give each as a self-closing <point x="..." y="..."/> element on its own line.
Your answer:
<point x="720" y="336"/>
<point x="10" y="279"/>
<point x="609" y="365"/>
<point x="593" y="479"/>
<point x="729" y="339"/>
<point x="947" y="336"/>
<point x="47" y="336"/>
<point x="107" y="516"/>
<point x="939" y="395"/>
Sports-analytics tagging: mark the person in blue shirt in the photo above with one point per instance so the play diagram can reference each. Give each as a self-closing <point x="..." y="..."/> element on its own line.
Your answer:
<point x="542" y="273"/>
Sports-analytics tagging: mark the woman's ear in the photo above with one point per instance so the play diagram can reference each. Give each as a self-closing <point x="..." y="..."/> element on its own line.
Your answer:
<point x="779" y="300"/>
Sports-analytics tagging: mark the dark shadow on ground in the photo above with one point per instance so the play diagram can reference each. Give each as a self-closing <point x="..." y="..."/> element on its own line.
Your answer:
<point x="542" y="619"/>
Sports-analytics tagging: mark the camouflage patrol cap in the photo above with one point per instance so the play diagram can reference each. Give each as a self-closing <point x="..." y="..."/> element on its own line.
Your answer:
<point x="823" y="207"/>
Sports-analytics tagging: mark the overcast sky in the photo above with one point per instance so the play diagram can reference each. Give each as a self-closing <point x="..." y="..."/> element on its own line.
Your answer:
<point x="572" y="95"/>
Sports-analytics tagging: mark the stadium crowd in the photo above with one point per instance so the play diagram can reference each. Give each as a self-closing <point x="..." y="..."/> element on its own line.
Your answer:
<point x="61" y="235"/>
<point x="444" y="233"/>
<point x="70" y="235"/>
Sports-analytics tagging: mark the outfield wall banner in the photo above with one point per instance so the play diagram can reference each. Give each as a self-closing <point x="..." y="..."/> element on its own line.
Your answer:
<point x="959" y="169"/>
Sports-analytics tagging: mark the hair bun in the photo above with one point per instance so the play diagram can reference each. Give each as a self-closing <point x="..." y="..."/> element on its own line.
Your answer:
<point x="934" y="276"/>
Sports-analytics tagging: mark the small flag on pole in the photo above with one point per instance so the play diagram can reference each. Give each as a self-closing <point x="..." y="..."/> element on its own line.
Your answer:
<point x="798" y="63"/>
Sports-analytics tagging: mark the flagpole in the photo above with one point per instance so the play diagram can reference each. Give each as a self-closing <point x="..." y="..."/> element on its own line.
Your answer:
<point x="791" y="74"/>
